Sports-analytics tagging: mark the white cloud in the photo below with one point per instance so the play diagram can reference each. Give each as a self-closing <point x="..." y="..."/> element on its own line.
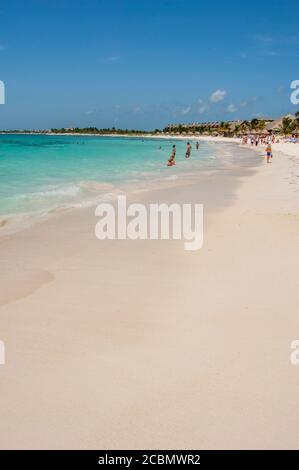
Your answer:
<point x="203" y="109"/>
<point x="232" y="108"/>
<point x="218" y="95"/>
<point x="186" y="110"/>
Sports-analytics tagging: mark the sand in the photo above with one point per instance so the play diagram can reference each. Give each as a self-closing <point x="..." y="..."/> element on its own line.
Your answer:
<point x="141" y="345"/>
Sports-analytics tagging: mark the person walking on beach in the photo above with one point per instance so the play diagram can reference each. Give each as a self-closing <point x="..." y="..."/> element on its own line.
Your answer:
<point x="188" y="150"/>
<point x="171" y="160"/>
<point x="197" y="145"/>
<point x="269" y="153"/>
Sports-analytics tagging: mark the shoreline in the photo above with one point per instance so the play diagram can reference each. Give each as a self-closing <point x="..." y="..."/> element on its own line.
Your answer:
<point x="120" y="333"/>
<point x="137" y="136"/>
<point x="288" y="148"/>
<point x="167" y="189"/>
<point x="13" y="223"/>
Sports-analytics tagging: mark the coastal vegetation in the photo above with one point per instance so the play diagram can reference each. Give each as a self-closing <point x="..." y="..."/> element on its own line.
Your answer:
<point x="104" y="131"/>
<point x="286" y="125"/>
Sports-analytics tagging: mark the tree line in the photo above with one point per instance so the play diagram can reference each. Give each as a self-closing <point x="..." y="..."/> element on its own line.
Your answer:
<point x="287" y="127"/>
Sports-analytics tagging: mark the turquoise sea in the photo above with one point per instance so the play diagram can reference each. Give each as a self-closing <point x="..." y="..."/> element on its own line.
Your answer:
<point x="39" y="173"/>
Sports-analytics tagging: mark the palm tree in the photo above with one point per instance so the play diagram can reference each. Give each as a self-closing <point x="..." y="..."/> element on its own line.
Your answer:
<point x="261" y="125"/>
<point x="244" y="126"/>
<point x="238" y="129"/>
<point x="221" y="126"/>
<point x="254" y="124"/>
<point x="224" y="127"/>
<point x="288" y="125"/>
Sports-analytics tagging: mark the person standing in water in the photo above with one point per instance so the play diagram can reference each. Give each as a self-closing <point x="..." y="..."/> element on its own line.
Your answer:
<point x="188" y="150"/>
<point x="171" y="160"/>
<point x="197" y="145"/>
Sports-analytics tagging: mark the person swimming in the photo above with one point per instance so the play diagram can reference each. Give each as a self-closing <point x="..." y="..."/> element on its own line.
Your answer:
<point x="188" y="150"/>
<point x="171" y="160"/>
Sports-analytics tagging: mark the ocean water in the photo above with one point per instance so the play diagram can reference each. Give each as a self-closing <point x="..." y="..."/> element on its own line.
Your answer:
<point x="39" y="173"/>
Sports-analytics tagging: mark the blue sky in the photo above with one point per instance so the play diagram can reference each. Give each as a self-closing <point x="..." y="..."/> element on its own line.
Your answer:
<point x="143" y="64"/>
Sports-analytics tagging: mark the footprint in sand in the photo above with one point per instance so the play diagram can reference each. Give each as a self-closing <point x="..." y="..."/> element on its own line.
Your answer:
<point x="3" y="222"/>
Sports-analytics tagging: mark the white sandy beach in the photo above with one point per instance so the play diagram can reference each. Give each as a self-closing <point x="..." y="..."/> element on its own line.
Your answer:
<point x="141" y="345"/>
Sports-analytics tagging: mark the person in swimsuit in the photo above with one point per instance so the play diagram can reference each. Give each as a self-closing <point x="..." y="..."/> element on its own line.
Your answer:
<point x="197" y="145"/>
<point x="269" y="153"/>
<point x="188" y="150"/>
<point x="171" y="160"/>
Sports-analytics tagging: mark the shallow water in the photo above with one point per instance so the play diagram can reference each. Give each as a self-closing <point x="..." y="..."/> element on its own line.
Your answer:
<point x="40" y="173"/>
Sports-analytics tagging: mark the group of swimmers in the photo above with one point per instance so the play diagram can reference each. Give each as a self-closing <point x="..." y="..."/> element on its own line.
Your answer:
<point x="171" y="160"/>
